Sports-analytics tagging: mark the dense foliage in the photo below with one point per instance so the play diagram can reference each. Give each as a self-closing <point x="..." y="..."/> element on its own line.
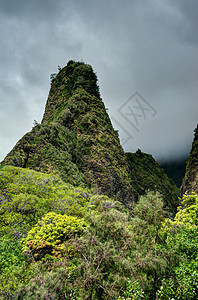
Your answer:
<point x="62" y="242"/>
<point x="56" y="226"/>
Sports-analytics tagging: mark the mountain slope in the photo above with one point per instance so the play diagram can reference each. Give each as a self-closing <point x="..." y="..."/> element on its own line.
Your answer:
<point x="190" y="182"/>
<point x="76" y="139"/>
<point x="146" y="174"/>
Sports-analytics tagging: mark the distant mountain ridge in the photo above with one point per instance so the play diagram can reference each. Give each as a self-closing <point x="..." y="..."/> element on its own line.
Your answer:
<point x="175" y="169"/>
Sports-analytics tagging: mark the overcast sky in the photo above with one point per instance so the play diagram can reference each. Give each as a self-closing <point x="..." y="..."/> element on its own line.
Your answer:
<point x="145" y="54"/>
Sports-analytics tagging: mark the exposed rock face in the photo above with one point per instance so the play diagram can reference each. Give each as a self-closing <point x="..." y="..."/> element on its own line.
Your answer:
<point x="76" y="139"/>
<point x="190" y="181"/>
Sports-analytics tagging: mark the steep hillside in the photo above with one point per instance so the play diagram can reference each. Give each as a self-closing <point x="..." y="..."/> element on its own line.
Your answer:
<point x="146" y="174"/>
<point x="76" y="139"/>
<point x="190" y="182"/>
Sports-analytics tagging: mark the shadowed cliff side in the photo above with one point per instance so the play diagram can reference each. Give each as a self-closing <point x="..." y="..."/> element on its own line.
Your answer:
<point x="146" y="174"/>
<point x="175" y="169"/>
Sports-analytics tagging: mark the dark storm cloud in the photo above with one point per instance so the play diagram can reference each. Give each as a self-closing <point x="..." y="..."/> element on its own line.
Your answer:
<point x="145" y="46"/>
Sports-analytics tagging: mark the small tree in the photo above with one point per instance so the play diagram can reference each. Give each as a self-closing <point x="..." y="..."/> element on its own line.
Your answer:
<point x="148" y="252"/>
<point x="181" y="236"/>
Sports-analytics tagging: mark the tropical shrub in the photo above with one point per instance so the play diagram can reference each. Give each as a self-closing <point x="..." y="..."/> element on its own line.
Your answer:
<point x="46" y="239"/>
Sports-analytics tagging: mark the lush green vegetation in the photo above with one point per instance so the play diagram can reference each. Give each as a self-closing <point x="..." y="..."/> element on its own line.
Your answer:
<point x="65" y="233"/>
<point x="62" y="242"/>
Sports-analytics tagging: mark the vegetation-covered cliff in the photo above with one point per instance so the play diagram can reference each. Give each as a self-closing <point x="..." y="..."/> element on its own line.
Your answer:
<point x="77" y="142"/>
<point x="190" y="181"/>
<point x="146" y="174"/>
<point x="76" y="139"/>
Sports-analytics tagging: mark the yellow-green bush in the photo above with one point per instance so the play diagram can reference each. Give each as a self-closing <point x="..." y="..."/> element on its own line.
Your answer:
<point x="46" y="239"/>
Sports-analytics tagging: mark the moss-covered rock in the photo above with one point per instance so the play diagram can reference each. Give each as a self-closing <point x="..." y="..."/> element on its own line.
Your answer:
<point x="190" y="181"/>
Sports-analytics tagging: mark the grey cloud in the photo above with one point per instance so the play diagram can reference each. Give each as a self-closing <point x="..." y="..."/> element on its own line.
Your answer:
<point x="145" y="46"/>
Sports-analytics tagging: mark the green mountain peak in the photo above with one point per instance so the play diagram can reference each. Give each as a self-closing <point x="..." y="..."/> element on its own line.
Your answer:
<point x="77" y="142"/>
<point x="75" y="76"/>
<point x="76" y="139"/>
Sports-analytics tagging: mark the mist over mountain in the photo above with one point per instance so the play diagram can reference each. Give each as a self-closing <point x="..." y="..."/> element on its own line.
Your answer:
<point x="175" y="169"/>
